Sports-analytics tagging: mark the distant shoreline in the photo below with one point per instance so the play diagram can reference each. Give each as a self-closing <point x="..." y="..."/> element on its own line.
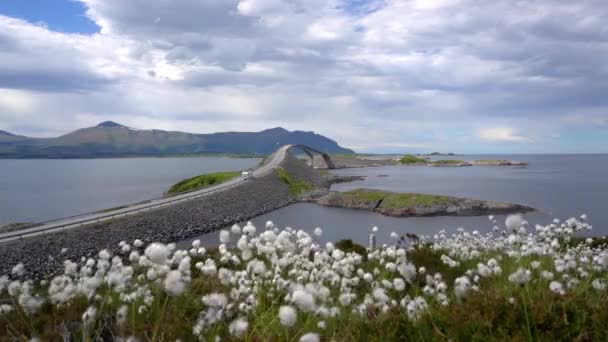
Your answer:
<point x="137" y="156"/>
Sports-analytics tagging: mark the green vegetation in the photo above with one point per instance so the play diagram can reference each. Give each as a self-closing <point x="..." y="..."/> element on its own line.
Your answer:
<point x="394" y="200"/>
<point x="202" y="181"/>
<point x="411" y="160"/>
<point x="403" y="200"/>
<point x="348" y="246"/>
<point x="364" y="195"/>
<point x="296" y="187"/>
<point x="448" y="162"/>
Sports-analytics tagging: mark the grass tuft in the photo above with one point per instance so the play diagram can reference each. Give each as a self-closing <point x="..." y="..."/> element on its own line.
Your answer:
<point x="202" y="181"/>
<point x="296" y="187"/>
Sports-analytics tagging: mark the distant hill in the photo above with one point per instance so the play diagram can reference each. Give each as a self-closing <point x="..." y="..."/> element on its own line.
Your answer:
<point x="110" y="139"/>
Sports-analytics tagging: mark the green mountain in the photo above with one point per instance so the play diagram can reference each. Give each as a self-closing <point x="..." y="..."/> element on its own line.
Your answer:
<point x="109" y="139"/>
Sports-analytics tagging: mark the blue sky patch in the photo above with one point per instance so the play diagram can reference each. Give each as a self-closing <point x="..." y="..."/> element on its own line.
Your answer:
<point x="58" y="15"/>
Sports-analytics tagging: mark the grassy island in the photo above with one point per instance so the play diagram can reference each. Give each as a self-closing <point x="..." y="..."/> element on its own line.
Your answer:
<point x="412" y="160"/>
<point x="392" y="199"/>
<point x="202" y="181"/>
<point x="450" y="162"/>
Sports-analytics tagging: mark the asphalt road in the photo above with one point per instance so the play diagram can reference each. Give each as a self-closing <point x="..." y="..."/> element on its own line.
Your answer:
<point x="85" y="219"/>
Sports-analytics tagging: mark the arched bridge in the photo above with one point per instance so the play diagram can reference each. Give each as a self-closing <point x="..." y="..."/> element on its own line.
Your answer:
<point x="313" y="155"/>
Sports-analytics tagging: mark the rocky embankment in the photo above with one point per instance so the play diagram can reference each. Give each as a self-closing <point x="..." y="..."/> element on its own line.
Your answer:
<point x="412" y="205"/>
<point x="42" y="255"/>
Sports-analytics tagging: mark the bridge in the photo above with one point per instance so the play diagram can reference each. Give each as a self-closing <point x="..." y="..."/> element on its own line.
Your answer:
<point x="64" y="224"/>
<point x="311" y="153"/>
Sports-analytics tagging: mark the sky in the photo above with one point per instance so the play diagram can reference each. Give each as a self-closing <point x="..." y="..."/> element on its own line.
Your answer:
<point x="464" y="76"/>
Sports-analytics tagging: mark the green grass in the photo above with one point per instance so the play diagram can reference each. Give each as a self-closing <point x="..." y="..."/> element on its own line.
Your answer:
<point x="403" y="200"/>
<point x="448" y="162"/>
<point x="202" y="181"/>
<point x="394" y="200"/>
<point x="411" y="160"/>
<point x="296" y="186"/>
<point x="364" y="195"/>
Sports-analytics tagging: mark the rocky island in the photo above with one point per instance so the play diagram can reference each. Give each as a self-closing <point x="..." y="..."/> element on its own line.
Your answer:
<point x="416" y="205"/>
<point x="498" y="162"/>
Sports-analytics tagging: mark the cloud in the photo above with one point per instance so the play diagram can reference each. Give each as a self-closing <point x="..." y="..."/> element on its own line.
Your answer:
<point x="383" y="75"/>
<point x="502" y="134"/>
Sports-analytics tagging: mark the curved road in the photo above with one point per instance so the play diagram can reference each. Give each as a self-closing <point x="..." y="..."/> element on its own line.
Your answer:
<point x="86" y="219"/>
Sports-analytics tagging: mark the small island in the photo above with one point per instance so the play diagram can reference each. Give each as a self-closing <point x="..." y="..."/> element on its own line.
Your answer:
<point x="412" y="160"/>
<point x="498" y="162"/>
<point x="416" y="205"/>
<point x="449" y="163"/>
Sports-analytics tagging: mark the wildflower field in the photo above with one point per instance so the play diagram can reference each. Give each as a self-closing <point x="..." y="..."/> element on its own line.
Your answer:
<point x="515" y="283"/>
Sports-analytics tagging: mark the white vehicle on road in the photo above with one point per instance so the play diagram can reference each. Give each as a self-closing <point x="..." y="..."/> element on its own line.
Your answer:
<point x="246" y="174"/>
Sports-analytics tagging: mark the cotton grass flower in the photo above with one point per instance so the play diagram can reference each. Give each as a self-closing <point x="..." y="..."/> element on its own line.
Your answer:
<point x="224" y="236"/>
<point x="174" y="283"/>
<point x="18" y="270"/>
<point x="520" y="277"/>
<point x="557" y="287"/>
<point x="158" y="253"/>
<point x="88" y="316"/>
<point x="310" y="337"/>
<point x="238" y="327"/>
<point x="514" y="222"/>
<point x="288" y="315"/>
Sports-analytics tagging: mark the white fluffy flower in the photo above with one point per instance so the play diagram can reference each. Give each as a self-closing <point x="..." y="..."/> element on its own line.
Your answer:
<point x="514" y="222"/>
<point x="520" y="277"/>
<point x="399" y="284"/>
<point x="462" y="285"/>
<point x="174" y="283"/>
<point x="304" y="300"/>
<point x="599" y="284"/>
<point x="18" y="270"/>
<point x="235" y="229"/>
<point x="407" y="270"/>
<point x="310" y="337"/>
<point x="89" y="315"/>
<point x="121" y="314"/>
<point x="318" y="231"/>
<point x="224" y="236"/>
<point x="288" y="315"/>
<point x="158" y="253"/>
<point x="238" y="327"/>
<point x="557" y="287"/>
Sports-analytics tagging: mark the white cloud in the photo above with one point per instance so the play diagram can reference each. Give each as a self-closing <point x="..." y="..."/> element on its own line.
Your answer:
<point x="502" y="134"/>
<point x="388" y="75"/>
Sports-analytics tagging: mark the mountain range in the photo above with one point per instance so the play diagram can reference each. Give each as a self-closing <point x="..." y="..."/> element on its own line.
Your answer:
<point x="110" y="139"/>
